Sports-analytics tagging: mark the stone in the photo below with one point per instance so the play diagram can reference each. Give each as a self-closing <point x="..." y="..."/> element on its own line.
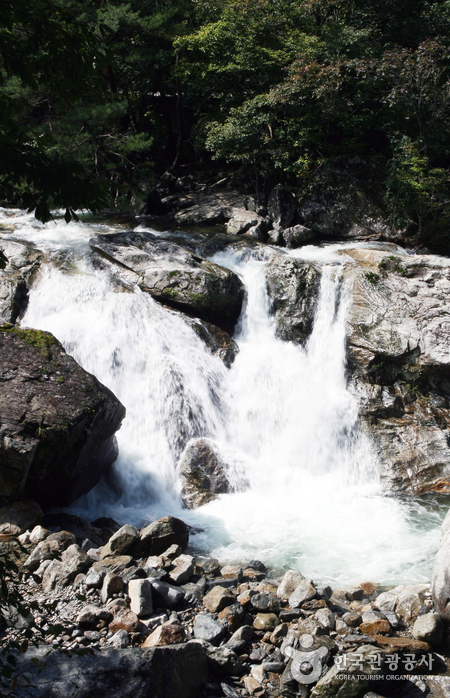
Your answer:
<point x="410" y="601"/>
<point x="353" y="620"/>
<point x="279" y="634"/>
<point x="219" y="342"/>
<point x="293" y="287"/>
<point x="112" y="584"/>
<point x="203" y="473"/>
<point x="22" y="262"/>
<point x="265" y="602"/>
<point x="166" y="634"/>
<point x="124" y="619"/>
<point x="207" y="566"/>
<point x="174" y="671"/>
<point x="375" y="627"/>
<point x="160" y="535"/>
<point x="402" y="644"/>
<point x="173" y="275"/>
<point x="19" y="516"/>
<point x="217" y="599"/>
<point x="387" y="600"/>
<point x="222" y="660"/>
<point x="123" y="540"/>
<point x="303" y="592"/>
<point x="231" y="572"/>
<point x="166" y="595"/>
<point x="350" y="679"/>
<point x="245" y="633"/>
<point x="61" y="573"/>
<point x="429" y="628"/>
<point x="289" y="583"/>
<point x="281" y="207"/>
<point x="141" y="597"/>
<point x="206" y="628"/>
<point x="48" y="549"/>
<point x="253" y="686"/>
<point x="266" y="621"/>
<point x="120" y="639"/>
<point x="297" y="236"/>
<point x="115" y="565"/>
<point x="249" y="223"/>
<point x="87" y="536"/>
<point x="93" y="617"/>
<point x="183" y="569"/>
<point x="58" y="422"/>
<point x="440" y="582"/>
<point x="232" y="615"/>
<point x="326" y="618"/>
<point x="38" y="534"/>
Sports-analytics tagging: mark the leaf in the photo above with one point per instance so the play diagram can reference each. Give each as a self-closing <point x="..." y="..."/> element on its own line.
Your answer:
<point x="14" y="683"/>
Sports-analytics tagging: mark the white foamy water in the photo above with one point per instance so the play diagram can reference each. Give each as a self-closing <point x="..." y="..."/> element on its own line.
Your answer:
<point x="281" y="418"/>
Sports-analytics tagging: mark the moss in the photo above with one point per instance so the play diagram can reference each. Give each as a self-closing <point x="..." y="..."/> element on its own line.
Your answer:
<point x="373" y="278"/>
<point x="173" y="273"/>
<point x="170" y="291"/>
<point x="392" y="263"/>
<point x="36" y="338"/>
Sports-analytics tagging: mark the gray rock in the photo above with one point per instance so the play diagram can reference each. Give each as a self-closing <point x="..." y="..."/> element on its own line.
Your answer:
<point x="174" y="276"/>
<point x="91" y="616"/>
<point x="203" y="473"/>
<point x="16" y="277"/>
<point x="281" y="207"/>
<point x="289" y="583"/>
<point x="47" y="549"/>
<point x="206" y="628"/>
<point x="120" y="640"/>
<point x="176" y="671"/>
<point x="325" y="618"/>
<point x="249" y="223"/>
<point x="440" y="583"/>
<point x="305" y="591"/>
<point x="265" y="602"/>
<point x="297" y="236"/>
<point x="217" y="340"/>
<point x="429" y="628"/>
<point x="112" y="584"/>
<point x="141" y="597"/>
<point x="165" y="594"/>
<point x="57" y="421"/>
<point x="410" y="601"/>
<point x="123" y="540"/>
<point x="350" y="681"/>
<point x="160" y="535"/>
<point x="222" y="660"/>
<point x="293" y="287"/>
<point x="183" y="569"/>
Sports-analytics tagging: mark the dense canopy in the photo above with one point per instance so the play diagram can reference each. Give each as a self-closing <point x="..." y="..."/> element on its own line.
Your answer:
<point x="99" y="99"/>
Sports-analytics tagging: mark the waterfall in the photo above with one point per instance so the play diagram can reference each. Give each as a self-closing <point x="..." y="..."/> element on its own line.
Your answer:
<point x="306" y="479"/>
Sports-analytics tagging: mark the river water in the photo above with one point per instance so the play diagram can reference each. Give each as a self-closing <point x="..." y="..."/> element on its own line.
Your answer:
<point x="307" y="489"/>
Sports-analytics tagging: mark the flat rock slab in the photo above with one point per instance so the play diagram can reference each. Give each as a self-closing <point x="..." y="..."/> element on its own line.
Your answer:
<point x="402" y="644"/>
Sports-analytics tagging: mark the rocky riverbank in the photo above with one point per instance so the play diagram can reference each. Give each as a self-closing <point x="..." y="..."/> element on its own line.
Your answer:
<point x="141" y="616"/>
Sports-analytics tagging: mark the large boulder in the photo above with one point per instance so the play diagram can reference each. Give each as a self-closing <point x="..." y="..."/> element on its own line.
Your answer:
<point x="160" y="535"/>
<point x="19" y="516"/>
<point x="174" y="276"/>
<point x="293" y="287"/>
<point x="19" y="262"/>
<point x="398" y="338"/>
<point x="203" y="473"/>
<point x="248" y="223"/>
<point x="174" y="671"/>
<point x="57" y="422"/>
<point x="281" y="207"/>
<point x="219" y="342"/>
<point x="440" y="583"/>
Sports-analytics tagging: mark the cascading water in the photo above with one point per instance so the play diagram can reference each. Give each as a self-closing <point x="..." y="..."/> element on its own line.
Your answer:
<point x="281" y="418"/>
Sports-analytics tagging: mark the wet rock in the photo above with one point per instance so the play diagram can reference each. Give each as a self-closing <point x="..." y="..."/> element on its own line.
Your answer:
<point x="293" y="286"/>
<point x="206" y="628"/>
<point x="141" y="597"/>
<point x="174" y="276"/>
<point x="303" y="592"/>
<point x="217" y="599"/>
<point x="160" y="535"/>
<point x="289" y="583"/>
<point x="58" y="422"/>
<point x="16" y="276"/>
<point x="166" y="634"/>
<point x="429" y="628"/>
<point x="266" y="621"/>
<point x="203" y="473"/>
<point x="217" y="340"/>
<point x="17" y="517"/>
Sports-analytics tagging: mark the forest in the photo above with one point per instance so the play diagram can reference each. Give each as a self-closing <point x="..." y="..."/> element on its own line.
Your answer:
<point x="98" y="100"/>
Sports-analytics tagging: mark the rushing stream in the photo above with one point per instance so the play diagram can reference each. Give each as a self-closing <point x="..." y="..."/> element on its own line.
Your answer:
<point x="308" y="494"/>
